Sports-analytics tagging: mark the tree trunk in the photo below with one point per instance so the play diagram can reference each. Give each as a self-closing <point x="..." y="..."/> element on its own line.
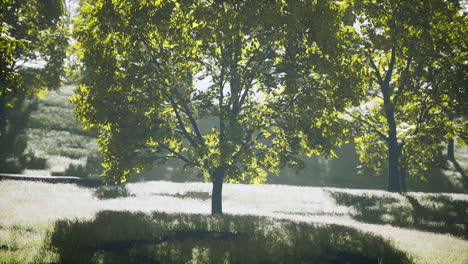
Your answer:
<point x="217" y="197"/>
<point x="458" y="168"/>
<point x="2" y="116"/>
<point x="2" y="127"/>
<point x="217" y="192"/>
<point x="393" y="148"/>
<point x="393" y="168"/>
<point x="451" y="157"/>
<point x="392" y="140"/>
<point x="451" y="143"/>
<point x="451" y="149"/>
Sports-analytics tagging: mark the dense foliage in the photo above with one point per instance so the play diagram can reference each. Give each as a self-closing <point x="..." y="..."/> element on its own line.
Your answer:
<point x="32" y="45"/>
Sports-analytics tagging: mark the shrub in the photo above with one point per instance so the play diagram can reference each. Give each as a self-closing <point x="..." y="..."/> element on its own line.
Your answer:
<point x="91" y="169"/>
<point x="73" y="170"/>
<point x="112" y="192"/>
<point x="35" y="163"/>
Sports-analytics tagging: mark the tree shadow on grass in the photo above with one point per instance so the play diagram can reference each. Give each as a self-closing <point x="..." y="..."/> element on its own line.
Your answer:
<point x="124" y="237"/>
<point x="188" y="195"/>
<point x="434" y="213"/>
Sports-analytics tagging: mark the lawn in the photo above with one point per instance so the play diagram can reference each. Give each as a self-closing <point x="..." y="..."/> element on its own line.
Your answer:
<point x="39" y="223"/>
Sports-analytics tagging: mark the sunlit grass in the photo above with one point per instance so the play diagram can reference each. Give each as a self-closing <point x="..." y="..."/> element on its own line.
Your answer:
<point x="24" y="243"/>
<point x="38" y="205"/>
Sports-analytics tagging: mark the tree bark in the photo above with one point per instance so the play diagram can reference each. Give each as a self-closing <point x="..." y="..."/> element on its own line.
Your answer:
<point x="393" y="168"/>
<point x="451" y="149"/>
<point x="2" y="126"/>
<point x="217" y="191"/>
<point x="451" y="143"/>
<point x="389" y="109"/>
<point x="2" y="115"/>
<point x="392" y="142"/>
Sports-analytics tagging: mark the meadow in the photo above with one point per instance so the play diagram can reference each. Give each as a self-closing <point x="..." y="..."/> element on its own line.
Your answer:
<point x="167" y="222"/>
<point x="313" y="61"/>
<point x="160" y="222"/>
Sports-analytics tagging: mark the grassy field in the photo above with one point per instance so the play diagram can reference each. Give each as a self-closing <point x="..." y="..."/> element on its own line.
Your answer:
<point x="34" y="216"/>
<point x="37" y="220"/>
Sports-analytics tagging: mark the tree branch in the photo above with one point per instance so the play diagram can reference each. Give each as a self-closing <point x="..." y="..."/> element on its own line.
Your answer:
<point x="389" y="73"/>
<point x="180" y="156"/>
<point x="150" y="49"/>
<point x="371" y="126"/>
<point x="248" y="142"/>
<point x="402" y="87"/>
<point x="248" y="64"/>
<point x="181" y="124"/>
<point x="194" y="124"/>
<point x="189" y="113"/>
<point x="376" y="71"/>
<point x="421" y="117"/>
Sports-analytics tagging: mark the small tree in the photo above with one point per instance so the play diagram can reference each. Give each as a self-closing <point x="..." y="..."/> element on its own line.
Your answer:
<point x="143" y="61"/>
<point x="415" y="50"/>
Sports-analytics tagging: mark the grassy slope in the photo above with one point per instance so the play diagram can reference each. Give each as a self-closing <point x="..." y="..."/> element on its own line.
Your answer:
<point x="54" y="133"/>
<point x="28" y="210"/>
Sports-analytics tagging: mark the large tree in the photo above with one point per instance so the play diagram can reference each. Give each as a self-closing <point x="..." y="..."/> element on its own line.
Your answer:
<point x="156" y="69"/>
<point x="32" y="51"/>
<point x="416" y="51"/>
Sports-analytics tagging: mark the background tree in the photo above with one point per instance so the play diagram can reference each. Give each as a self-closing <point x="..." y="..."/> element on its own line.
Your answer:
<point x="413" y="48"/>
<point x="32" y="51"/>
<point x="450" y="75"/>
<point x="156" y="70"/>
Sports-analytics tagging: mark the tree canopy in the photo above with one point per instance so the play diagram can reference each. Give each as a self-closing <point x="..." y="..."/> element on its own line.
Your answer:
<point x="274" y="74"/>
<point x="416" y="52"/>
<point x="32" y="45"/>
